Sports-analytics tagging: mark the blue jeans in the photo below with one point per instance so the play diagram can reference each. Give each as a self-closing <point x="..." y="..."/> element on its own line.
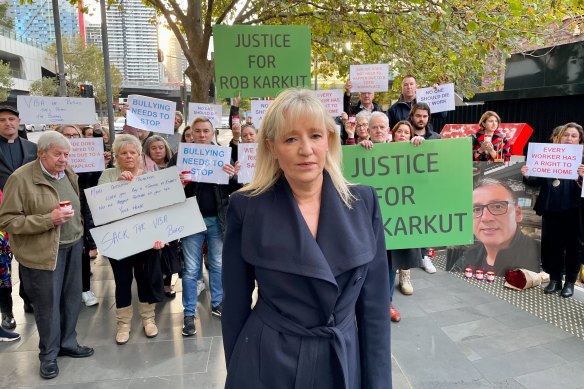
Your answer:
<point x="193" y="260"/>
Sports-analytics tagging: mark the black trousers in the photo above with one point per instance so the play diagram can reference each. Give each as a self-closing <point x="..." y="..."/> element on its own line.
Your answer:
<point x="56" y="297"/>
<point x="145" y="267"/>
<point x="561" y="243"/>
<point x="6" y="300"/>
<point x="85" y="269"/>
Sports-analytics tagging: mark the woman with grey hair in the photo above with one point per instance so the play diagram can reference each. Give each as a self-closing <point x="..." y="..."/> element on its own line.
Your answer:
<point x="145" y="266"/>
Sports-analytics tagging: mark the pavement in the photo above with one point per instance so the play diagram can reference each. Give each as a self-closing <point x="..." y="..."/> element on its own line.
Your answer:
<point x="453" y="334"/>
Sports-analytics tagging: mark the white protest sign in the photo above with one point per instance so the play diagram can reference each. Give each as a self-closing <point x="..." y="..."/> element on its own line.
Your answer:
<point x="440" y="99"/>
<point x="86" y="155"/>
<point x="553" y="160"/>
<point x="138" y="233"/>
<point x="332" y="100"/>
<point x="204" y="162"/>
<point x="246" y="152"/>
<point x="120" y="199"/>
<point x="150" y="114"/>
<point x="369" y="78"/>
<point x="258" y="110"/>
<point x="213" y="111"/>
<point x="56" y="110"/>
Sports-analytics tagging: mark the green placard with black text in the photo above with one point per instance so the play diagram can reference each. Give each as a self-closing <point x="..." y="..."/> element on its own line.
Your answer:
<point x="425" y="192"/>
<point x="260" y="61"/>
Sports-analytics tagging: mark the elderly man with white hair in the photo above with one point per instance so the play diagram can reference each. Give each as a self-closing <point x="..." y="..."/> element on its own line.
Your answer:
<point x="41" y="212"/>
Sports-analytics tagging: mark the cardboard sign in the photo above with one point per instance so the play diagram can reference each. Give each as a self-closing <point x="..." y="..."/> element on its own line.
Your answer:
<point x="258" y="110"/>
<point x="204" y="162"/>
<point x="440" y="99"/>
<point x="332" y="100"/>
<point x="138" y="233"/>
<point x="86" y="155"/>
<point x="553" y="160"/>
<point x="425" y="192"/>
<point x="260" y="61"/>
<point x="369" y="78"/>
<point x="246" y="153"/>
<point x="150" y="114"/>
<point x="213" y="111"/>
<point x="121" y="199"/>
<point x="56" y="110"/>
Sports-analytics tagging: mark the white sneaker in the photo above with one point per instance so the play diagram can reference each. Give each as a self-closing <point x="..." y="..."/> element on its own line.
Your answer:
<point x="405" y="285"/>
<point x="428" y="265"/>
<point x="89" y="299"/>
<point x="200" y="287"/>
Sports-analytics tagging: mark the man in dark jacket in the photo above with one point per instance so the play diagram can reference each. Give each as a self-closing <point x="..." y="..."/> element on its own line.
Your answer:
<point x="419" y="116"/>
<point x="365" y="103"/>
<point x="400" y="110"/>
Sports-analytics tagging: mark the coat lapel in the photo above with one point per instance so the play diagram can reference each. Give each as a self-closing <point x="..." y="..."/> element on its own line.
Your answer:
<point x="345" y="237"/>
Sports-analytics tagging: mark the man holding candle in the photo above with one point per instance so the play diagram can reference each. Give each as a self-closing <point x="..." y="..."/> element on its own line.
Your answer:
<point x="46" y="239"/>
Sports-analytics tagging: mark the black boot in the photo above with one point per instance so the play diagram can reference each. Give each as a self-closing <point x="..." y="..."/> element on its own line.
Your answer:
<point x="553" y="287"/>
<point x="568" y="290"/>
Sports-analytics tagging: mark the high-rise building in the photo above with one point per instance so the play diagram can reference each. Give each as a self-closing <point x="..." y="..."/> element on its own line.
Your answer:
<point x="35" y="21"/>
<point x="133" y="42"/>
<point x="93" y="34"/>
<point x="175" y="62"/>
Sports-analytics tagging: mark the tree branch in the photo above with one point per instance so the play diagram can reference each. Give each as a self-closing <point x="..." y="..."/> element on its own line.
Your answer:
<point x="226" y="11"/>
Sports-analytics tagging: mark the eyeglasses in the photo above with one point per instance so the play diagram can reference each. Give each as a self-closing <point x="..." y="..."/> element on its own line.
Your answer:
<point x="496" y="208"/>
<point x="71" y="135"/>
<point x="362" y="126"/>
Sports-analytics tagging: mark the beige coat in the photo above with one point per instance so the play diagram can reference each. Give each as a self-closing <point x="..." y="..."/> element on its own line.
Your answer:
<point x="25" y="213"/>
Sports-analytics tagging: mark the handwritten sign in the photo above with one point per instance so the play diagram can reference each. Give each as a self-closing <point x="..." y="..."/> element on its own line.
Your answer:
<point x="86" y="155"/>
<point x="332" y="100"/>
<point x="138" y="233"/>
<point x="440" y="99"/>
<point x="258" y="110"/>
<point x="369" y="78"/>
<point x="56" y="110"/>
<point x="259" y="61"/>
<point x="553" y="160"/>
<point x="204" y="162"/>
<point x="212" y="111"/>
<point x="150" y="114"/>
<point x="247" y="158"/>
<point x="121" y="199"/>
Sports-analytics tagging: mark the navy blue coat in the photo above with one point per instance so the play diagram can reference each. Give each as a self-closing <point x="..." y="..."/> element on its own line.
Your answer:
<point x="322" y="316"/>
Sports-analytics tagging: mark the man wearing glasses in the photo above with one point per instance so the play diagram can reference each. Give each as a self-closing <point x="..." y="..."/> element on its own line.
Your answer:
<point x="501" y="244"/>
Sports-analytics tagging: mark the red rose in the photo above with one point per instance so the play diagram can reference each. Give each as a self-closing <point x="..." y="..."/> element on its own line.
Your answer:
<point x="516" y="278"/>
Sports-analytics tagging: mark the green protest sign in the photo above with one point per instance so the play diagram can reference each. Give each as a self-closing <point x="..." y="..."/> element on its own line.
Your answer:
<point x="260" y="61"/>
<point x="425" y="192"/>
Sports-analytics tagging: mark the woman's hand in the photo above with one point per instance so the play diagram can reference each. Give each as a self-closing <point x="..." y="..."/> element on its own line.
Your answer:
<point x="158" y="245"/>
<point x="417" y="140"/>
<point x="230" y="169"/>
<point x="350" y="129"/>
<point x="525" y="169"/>
<point x="126" y="176"/>
<point x="367" y="144"/>
<point x="581" y="170"/>
<point x="344" y="118"/>
<point x="107" y="157"/>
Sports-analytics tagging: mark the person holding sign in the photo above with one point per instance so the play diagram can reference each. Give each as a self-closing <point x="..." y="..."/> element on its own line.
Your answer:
<point x="144" y="266"/>
<point x="559" y="204"/>
<point x="366" y="103"/>
<point x="248" y="133"/>
<point x="41" y="212"/>
<point x="212" y="200"/>
<point x="315" y="246"/>
<point x="157" y="154"/>
<point x="489" y="143"/>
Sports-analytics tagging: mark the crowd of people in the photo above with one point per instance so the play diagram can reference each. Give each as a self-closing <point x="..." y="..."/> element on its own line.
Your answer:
<point x="323" y="301"/>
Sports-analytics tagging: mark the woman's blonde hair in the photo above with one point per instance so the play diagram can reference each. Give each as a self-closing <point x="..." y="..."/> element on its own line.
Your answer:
<point x="281" y="116"/>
